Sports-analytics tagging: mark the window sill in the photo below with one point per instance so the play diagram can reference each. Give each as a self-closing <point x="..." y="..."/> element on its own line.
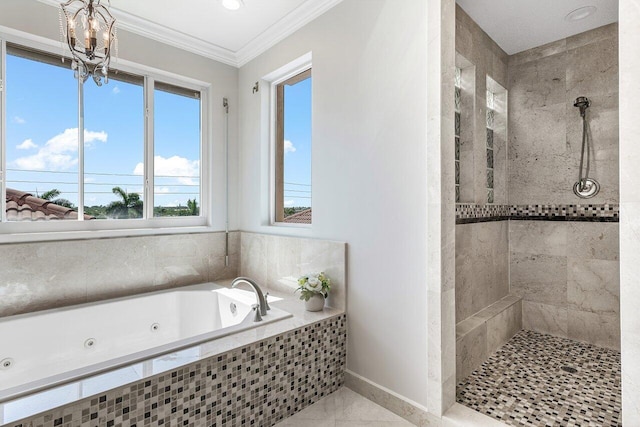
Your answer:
<point x="22" y="235"/>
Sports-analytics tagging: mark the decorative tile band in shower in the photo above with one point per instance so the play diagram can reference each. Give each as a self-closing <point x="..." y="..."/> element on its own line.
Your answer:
<point x="474" y="211"/>
<point x="258" y="385"/>
<point x="471" y="213"/>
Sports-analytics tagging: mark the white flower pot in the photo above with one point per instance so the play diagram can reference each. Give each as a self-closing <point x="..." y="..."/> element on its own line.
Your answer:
<point x="315" y="303"/>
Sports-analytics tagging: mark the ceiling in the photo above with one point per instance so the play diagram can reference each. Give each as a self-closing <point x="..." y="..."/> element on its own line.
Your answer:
<point x="518" y="25"/>
<point x="205" y="27"/>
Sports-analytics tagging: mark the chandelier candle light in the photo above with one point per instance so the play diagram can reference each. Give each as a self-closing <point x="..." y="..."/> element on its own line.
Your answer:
<point x="93" y="22"/>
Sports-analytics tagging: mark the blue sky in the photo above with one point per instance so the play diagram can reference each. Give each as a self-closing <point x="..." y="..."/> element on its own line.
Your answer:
<point x="42" y="136"/>
<point x="297" y="135"/>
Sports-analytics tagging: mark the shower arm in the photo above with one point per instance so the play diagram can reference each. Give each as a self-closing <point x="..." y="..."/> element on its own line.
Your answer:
<point x="582" y="179"/>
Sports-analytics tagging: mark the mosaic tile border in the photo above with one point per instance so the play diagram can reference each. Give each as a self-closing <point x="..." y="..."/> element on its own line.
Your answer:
<point x="472" y="213"/>
<point x="255" y="385"/>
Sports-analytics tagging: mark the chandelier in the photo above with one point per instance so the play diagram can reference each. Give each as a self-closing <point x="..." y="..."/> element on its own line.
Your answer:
<point x="90" y="33"/>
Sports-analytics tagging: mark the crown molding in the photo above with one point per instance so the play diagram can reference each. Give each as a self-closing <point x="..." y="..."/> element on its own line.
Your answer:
<point x="286" y="26"/>
<point x="283" y="28"/>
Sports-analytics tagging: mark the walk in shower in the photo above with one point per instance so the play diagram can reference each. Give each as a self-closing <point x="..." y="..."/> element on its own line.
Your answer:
<point x="537" y="241"/>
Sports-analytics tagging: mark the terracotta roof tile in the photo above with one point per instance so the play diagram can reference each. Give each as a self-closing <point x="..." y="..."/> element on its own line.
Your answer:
<point x="23" y="206"/>
<point x="302" y="217"/>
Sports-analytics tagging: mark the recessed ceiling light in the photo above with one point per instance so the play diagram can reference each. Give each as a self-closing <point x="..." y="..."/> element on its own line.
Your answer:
<point x="580" y="13"/>
<point x="232" y="4"/>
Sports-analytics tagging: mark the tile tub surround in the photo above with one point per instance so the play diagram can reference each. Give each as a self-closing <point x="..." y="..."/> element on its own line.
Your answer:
<point x="522" y="384"/>
<point x="545" y="129"/>
<point x="568" y="276"/>
<point x="478" y="336"/>
<point x="44" y="275"/>
<point x="278" y="261"/>
<point x="256" y="384"/>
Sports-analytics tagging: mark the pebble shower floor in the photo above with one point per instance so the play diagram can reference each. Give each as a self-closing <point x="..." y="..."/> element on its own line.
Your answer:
<point x="523" y="383"/>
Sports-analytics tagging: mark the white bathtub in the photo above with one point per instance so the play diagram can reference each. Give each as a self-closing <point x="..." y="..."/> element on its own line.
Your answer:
<point x="53" y="347"/>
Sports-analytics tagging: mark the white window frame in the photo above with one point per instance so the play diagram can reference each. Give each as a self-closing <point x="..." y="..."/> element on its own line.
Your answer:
<point x="273" y="79"/>
<point x="11" y="232"/>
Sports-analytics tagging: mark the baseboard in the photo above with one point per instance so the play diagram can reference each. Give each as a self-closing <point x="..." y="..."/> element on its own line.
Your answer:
<point x="390" y="400"/>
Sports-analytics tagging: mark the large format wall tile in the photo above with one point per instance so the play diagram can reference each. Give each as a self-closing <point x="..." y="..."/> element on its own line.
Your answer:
<point x="539" y="278"/>
<point x="482" y="270"/>
<point x="278" y="261"/>
<point x="566" y="272"/>
<point x="536" y="237"/>
<point x="601" y="329"/>
<point x="39" y="276"/>
<point x="593" y="285"/>
<point x="581" y="276"/>
<point x="503" y="326"/>
<point x="545" y="129"/>
<point x="550" y="319"/>
<point x="593" y="240"/>
<point x="472" y="351"/>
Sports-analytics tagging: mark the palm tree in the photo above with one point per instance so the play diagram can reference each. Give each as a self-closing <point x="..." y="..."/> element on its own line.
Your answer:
<point x="52" y="196"/>
<point x="192" y="207"/>
<point x="129" y="207"/>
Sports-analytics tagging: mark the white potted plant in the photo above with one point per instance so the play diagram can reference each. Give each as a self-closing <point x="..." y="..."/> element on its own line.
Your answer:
<point x="314" y="288"/>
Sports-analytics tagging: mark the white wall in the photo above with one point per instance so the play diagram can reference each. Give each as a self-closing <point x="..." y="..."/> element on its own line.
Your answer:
<point x="369" y="173"/>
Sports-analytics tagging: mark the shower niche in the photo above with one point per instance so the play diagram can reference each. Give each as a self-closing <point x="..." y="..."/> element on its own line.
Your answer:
<point x="480" y="135"/>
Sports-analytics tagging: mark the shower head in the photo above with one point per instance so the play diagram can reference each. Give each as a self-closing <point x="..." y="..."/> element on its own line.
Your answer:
<point x="582" y="102"/>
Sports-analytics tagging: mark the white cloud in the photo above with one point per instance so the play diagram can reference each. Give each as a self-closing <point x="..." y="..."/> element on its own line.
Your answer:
<point x="180" y="167"/>
<point x="289" y="147"/>
<point x="19" y="120"/>
<point x="288" y="203"/>
<point x="161" y="190"/>
<point x="115" y="90"/>
<point x="27" y="144"/>
<point x="60" y="152"/>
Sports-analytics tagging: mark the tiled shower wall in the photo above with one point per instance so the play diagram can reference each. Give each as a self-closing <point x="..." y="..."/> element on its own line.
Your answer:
<point x="482" y="266"/>
<point x="482" y="255"/>
<point x="568" y="276"/>
<point x="566" y="272"/>
<point x="545" y="129"/>
<point x="485" y="58"/>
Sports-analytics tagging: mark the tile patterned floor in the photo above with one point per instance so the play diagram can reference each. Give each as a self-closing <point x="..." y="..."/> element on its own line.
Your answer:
<point x="344" y="408"/>
<point x="522" y="384"/>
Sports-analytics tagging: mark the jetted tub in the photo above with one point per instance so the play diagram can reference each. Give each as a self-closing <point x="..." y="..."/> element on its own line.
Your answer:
<point x="48" y="348"/>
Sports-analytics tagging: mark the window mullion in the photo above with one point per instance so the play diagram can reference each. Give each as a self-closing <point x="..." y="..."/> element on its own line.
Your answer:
<point x="80" y="149"/>
<point x="148" y="147"/>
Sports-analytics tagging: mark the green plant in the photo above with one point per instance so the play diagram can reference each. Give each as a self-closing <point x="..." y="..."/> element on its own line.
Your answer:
<point x="316" y="283"/>
<point x="129" y="207"/>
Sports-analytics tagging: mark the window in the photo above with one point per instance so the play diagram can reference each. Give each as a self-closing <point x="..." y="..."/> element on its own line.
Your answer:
<point x="490" y="147"/>
<point x="132" y="165"/>
<point x="176" y="158"/>
<point x="292" y="167"/>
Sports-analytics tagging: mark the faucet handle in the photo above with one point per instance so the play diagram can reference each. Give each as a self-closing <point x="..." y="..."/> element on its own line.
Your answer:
<point x="257" y="317"/>
<point x="266" y="301"/>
